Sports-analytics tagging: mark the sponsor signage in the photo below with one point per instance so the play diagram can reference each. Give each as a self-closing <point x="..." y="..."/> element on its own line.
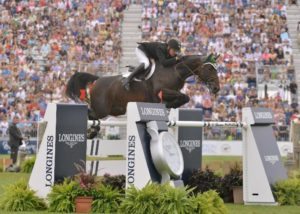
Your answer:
<point x="269" y="153"/>
<point x="152" y="111"/>
<point x="262" y="115"/>
<point x="71" y="140"/>
<point x="190" y="141"/>
<point x="49" y="161"/>
<point x="190" y="145"/>
<point x="131" y="159"/>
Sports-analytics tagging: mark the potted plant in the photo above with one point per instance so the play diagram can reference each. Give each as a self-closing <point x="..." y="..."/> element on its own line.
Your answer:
<point x="232" y="185"/>
<point x="87" y="185"/>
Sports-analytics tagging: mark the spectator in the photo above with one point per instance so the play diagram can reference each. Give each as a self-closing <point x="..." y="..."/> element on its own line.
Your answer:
<point x="15" y="139"/>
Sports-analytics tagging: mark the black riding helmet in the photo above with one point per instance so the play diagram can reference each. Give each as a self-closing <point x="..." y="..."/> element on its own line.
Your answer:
<point x="174" y="44"/>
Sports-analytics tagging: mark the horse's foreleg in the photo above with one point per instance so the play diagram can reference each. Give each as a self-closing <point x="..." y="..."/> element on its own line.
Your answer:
<point x="174" y="99"/>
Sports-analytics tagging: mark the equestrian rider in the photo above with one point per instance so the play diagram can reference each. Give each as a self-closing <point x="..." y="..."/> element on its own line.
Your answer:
<point x="166" y="53"/>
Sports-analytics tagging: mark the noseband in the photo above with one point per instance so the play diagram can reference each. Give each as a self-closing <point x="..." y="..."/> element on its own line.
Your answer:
<point x="214" y="65"/>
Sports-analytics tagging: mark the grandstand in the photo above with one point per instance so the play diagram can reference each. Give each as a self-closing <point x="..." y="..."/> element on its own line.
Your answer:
<point x="44" y="42"/>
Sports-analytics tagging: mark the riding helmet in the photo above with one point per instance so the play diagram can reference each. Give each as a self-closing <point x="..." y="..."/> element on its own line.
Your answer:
<point x="174" y="44"/>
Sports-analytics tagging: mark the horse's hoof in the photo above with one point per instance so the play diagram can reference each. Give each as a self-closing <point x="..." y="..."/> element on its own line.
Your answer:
<point x="92" y="132"/>
<point x="91" y="135"/>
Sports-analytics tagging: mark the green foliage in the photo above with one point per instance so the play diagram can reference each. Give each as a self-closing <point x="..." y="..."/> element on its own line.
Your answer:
<point x="27" y="165"/>
<point x="230" y="180"/>
<point x="209" y="203"/>
<point x="294" y="174"/>
<point x="203" y="181"/>
<point x="145" y="200"/>
<point x="106" y="200"/>
<point x="18" y="197"/>
<point x="117" y="181"/>
<point x="155" y="198"/>
<point x="62" y="196"/>
<point x="175" y="200"/>
<point x="287" y="192"/>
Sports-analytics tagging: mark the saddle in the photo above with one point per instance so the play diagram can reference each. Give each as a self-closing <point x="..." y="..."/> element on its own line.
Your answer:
<point x="146" y="74"/>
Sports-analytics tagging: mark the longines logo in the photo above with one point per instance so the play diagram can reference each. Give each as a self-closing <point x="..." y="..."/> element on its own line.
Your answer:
<point x="190" y="145"/>
<point x="49" y="161"/>
<point x="131" y="159"/>
<point x="152" y="111"/>
<point x="71" y="139"/>
<point x="263" y="115"/>
<point x="271" y="158"/>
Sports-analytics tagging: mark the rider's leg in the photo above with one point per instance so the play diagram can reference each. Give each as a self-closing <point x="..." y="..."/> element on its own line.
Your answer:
<point x="139" y="69"/>
<point x="144" y="64"/>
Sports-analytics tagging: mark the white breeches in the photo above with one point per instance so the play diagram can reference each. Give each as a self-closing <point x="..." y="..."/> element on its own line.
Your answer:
<point x="142" y="58"/>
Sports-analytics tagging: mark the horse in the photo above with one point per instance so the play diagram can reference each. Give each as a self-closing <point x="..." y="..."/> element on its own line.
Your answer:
<point x="108" y="96"/>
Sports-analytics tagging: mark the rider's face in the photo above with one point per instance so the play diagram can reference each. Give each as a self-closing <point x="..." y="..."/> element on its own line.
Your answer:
<point x="172" y="52"/>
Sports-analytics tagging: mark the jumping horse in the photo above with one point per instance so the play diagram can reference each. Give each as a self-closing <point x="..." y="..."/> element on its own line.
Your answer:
<point x="108" y="96"/>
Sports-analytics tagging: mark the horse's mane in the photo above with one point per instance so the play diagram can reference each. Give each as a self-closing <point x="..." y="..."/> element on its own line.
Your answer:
<point x="191" y="59"/>
<point x="203" y="58"/>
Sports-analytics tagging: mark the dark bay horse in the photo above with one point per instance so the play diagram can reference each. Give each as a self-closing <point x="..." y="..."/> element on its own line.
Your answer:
<point x="108" y="97"/>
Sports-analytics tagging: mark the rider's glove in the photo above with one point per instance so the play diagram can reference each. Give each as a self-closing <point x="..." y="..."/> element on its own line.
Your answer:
<point x="179" y="57"/>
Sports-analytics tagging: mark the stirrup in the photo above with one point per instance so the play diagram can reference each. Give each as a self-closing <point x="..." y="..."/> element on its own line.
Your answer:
<point x="126" y="84"/>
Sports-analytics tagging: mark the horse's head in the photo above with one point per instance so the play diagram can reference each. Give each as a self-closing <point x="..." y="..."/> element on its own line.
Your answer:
<point x="205" y="70"/>
<point x="209" y="74"/>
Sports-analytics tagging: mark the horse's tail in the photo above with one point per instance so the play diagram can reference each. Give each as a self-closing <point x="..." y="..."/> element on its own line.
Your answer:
<point x="78" y="81"/>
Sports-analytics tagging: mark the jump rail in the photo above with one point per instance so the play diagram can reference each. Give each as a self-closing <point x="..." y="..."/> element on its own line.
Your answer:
<point x="106" y="123"/>
<point x="173" y="123"/>
<point x="205" y="124"/>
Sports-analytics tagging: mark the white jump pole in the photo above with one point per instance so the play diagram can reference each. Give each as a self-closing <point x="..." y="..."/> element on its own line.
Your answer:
<point x="172" y="123"/>
<point x="205" y="124"/>
<point x="106" y="123"/>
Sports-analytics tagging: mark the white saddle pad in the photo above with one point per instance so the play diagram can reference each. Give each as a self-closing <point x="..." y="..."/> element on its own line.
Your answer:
<point x="149" y="74"/>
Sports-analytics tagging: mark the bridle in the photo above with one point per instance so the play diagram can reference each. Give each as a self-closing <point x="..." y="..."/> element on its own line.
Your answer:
<point x="214" y="65"/>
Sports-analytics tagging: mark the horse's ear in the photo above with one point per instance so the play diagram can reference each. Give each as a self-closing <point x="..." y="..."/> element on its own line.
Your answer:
<point x="209" y="58"/>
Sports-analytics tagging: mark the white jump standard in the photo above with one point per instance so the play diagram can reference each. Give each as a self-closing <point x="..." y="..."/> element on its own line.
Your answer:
<point x="153" y="152"/>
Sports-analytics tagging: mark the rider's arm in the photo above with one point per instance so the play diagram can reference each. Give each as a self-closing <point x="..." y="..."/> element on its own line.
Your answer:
<point x="163" y="59"/>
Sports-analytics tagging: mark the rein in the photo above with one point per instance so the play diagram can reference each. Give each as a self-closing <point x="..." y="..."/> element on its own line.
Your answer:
<point x="193" y="71"/>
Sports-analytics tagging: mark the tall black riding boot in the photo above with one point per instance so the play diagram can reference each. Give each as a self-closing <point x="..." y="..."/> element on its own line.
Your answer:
<point x="139" y="69"/>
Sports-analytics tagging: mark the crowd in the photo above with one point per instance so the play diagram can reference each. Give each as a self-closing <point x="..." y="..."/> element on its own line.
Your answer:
<point x="43" y="42"/>
<point x="256" y="64"/>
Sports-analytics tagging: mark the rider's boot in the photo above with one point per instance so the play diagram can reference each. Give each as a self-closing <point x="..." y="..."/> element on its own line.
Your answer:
<point x="139" y="69"/>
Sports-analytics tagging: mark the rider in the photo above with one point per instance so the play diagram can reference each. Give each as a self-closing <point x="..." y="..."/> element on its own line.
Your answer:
<point x="166" y="53"/>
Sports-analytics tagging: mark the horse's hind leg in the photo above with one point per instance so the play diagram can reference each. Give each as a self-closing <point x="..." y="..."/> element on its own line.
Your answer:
<point x="92" y="114"/>
<point x="118" y="110"/>
<point x="174" y="99"/>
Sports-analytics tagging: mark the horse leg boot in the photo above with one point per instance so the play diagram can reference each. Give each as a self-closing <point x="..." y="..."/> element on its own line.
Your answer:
<point x="139" y="69"/>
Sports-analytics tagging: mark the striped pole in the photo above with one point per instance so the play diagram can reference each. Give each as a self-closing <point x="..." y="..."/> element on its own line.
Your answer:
<point x="206" y="124"/>
<point x="172" y="123"/>
<point x="106" y="123"/>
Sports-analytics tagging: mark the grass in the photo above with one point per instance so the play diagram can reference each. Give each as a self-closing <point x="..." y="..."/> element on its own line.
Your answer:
<point x="4" y="156"/>
<point x="11" y="178"/>
<point x="251" y="209"/>
<point x="219" y="163"/>
<point x="116" y="157"/>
